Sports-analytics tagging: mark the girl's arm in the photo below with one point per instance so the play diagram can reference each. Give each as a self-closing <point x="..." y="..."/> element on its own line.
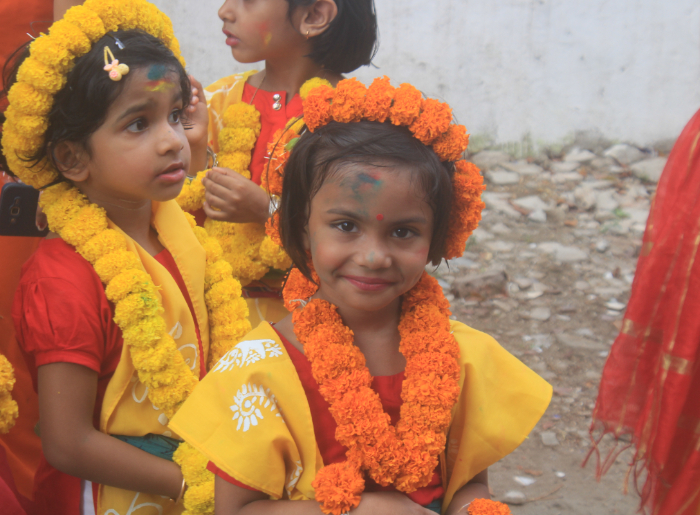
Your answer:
<point x="477" y="488"/>
<point x="234" y="500"/>
<point x="71" y="444"/>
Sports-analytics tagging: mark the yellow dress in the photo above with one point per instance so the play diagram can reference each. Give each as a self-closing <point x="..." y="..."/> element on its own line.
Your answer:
<point x="251" y="418"/>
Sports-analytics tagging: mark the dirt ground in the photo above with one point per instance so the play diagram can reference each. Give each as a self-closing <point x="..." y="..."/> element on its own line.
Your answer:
<point x="558" y="311"/>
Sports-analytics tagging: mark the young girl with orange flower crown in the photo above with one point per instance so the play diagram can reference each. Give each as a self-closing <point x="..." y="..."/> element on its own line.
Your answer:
<point x="298" y="40"/>
<point x="368" y="398"/>
<point x="125" y="305"/>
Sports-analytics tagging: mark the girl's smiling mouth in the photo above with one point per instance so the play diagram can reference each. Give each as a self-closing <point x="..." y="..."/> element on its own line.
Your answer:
<point x="368" y="283"/>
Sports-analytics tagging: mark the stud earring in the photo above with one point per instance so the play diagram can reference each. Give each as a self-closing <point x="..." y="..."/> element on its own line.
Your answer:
<point x="307" y="34"/>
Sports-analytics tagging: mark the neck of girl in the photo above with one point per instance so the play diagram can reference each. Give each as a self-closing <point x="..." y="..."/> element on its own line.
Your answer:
<point x="376" y="334"/>
<point x="134" y="218"/>
<point x="289" y="75"/>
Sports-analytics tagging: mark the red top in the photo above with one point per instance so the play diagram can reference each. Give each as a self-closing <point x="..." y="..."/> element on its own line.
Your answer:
<point x="389" y="390"/>
<point x="272" y="120"/>
<point x="62" y="315"/>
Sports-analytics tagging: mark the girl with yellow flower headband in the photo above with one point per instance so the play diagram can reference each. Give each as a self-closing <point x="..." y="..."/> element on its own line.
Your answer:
<point x="368" y="398"/>
<point x="126" y="304"/>
<point x="297" y="40"/>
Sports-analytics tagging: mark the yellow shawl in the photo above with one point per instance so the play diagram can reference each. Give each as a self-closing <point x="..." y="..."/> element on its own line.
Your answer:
<point x="126" y="409"/>
<point x="251" y="418"/>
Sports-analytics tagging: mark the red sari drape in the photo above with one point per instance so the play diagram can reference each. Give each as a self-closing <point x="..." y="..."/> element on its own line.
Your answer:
<point x="650" y="388"/>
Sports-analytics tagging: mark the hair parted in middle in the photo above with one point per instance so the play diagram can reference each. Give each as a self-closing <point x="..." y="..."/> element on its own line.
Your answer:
<point x="318" y="155"/>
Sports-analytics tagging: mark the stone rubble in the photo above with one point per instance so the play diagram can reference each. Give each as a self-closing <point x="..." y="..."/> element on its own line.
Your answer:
<point x="548" y="272"/>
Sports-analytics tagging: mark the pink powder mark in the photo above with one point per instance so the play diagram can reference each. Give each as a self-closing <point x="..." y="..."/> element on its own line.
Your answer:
<point x="380" y="217"/>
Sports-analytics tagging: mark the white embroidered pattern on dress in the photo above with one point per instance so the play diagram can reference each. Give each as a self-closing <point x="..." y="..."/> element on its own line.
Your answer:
<point x="248" y="401"/>
<point x="246" y="353"/>
<point x="294" y="478"/>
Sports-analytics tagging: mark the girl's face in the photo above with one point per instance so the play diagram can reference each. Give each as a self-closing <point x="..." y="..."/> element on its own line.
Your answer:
<point x="140" y="152"/>
<point x="369" y="235"/>
<point x="257" y="30"/>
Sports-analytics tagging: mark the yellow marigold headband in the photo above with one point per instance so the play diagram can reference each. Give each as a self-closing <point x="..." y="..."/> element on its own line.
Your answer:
<point x="429" y="120"/>
<point x="51" y="57"/>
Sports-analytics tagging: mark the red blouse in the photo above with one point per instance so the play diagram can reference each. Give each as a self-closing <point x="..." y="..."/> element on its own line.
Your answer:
<point x="62" y="315"/>
<point x="272" y="120"/>
<point x="389" y="390"/>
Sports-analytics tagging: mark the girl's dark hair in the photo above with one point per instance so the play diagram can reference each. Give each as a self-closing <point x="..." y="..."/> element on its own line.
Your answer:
<point x="319" y="154"/>
<point x="351" y="38"/>
<point x="81" y="106"/>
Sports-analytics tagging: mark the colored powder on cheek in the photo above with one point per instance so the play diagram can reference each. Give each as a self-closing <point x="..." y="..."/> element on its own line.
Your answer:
<point x="264" y="31"/>
<point x="268" y="38"/>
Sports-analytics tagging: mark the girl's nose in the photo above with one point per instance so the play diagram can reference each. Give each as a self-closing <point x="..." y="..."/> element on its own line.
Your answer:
<point x="226" y="11"/>
<point x="170" y="141"/>
<point x="373" y="254"/>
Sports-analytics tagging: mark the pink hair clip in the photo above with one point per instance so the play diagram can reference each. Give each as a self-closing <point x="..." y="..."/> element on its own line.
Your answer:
<point x="116" y="70"/>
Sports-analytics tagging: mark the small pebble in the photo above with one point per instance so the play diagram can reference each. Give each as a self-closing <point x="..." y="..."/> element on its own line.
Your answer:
<point x="515" y="497"/>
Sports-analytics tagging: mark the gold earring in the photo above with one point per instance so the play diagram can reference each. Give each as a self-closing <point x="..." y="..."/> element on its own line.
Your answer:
<point x="307" y="34"/>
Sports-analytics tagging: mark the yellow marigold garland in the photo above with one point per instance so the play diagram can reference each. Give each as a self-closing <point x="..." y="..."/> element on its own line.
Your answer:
<point x="251" y="249"/>
<point x="8" y="407"/>
<point x="405" y="455"/>
<point x="138" y="308"/>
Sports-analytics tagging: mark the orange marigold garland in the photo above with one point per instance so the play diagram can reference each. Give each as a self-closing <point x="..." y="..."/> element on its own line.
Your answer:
<point x="378" y="100"/>
<point x="406" y="106"/>
<point x="405" y="455"/>
<point x="348" y="101"/>
<point x="467" y="205"/>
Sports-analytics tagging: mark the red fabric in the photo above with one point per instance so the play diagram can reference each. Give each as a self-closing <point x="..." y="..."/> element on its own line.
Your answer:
<point x="62" y="315"/>
<point x="651" y="381"/>
<point x="271" y="121"/>
<point x="12" y="502"/>
<point x="389" y="390"/>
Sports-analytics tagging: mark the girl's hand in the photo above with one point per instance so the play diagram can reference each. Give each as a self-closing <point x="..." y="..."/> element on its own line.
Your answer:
<point x="196" y="122"/>
<point x="388" y="503"/>
<point x="233" y="198"/>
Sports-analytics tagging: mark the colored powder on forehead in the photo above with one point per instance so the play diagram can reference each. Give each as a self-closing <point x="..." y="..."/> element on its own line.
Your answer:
<point x="157" y="72"/>
<point x="380" y="217"/>
<point x="367" y="182"/>
<point x="159" y="85"/>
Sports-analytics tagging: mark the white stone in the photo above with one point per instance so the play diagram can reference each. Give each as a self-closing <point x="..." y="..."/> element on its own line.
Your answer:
<point x="523" y="168"/>
<point x="531" y="203"/>
<point x="624" y="154"/>
<point x="538" y="215"/>
<point x="549" y="438"/>
<point x="502" y="177"/>
<point x="582" y="286"/>
<point x="487" y="159"/>
<point x="649" y="169"/>
<point x="514" y="497"/>
<point x="564" y="166"/>
<point x="615" y="305"/>
<point x="499" y="202"/>
<point x="501" y="229"/>
<point x="606" y="201"/>
<point x="578" y="155"/>
<point x="559" y="178"/>
<point x="549" y="246"/>
<point x="602" y="245"/>
<point x="569" y="254"/>
<point x="499" y="246"/>
<point x="524" y="480"/>
<point x="585" y="197"/>
<point x="481" y="235"/>
<point x="540" y="313"/>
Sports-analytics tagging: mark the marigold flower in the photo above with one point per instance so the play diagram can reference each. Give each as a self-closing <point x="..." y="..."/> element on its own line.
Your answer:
<point x="152" y="359"/>
<point x="9" y="412"/>
<point x="90" y="220"/>
<point x="70" y="37"/>
<point x="406" y="106"/>
<point x="432" y="122"/>
<point x="317" y="107"/>
<point x="238" y="161"/>
<point x="242" y="116"/>
<point x="146" y="333"/>
<point x="129" y="281"/>
<point x="380" y="95"/>
<point x="110" y="265"/>
<point x="87" y="21"/>
<point x="25" y="99"/>
<point x="465" y="213"/>
<point x="348" y="101"/>
<point x="338" y="487"/>
<point x="452" y="144"/>
<point x="310" y="85"/>
<point x="488" y="507"/>
<point x="241" y="139"/>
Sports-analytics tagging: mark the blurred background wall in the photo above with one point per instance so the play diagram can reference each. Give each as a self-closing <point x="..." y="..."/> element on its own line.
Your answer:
<point x="533" y="71"/>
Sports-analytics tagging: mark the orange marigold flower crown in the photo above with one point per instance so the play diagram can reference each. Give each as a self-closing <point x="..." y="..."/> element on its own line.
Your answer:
<point x="429" y="120"/>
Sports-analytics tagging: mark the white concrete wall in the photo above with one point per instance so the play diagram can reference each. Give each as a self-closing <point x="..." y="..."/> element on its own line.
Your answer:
<point x="509" y="68"/>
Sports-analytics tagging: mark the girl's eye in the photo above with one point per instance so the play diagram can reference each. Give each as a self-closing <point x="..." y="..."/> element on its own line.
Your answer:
<point x="175" y="116"/>
<point x="346" y="226"/>
<point x="402" y="233"/>
<point x="137" y="126"/>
